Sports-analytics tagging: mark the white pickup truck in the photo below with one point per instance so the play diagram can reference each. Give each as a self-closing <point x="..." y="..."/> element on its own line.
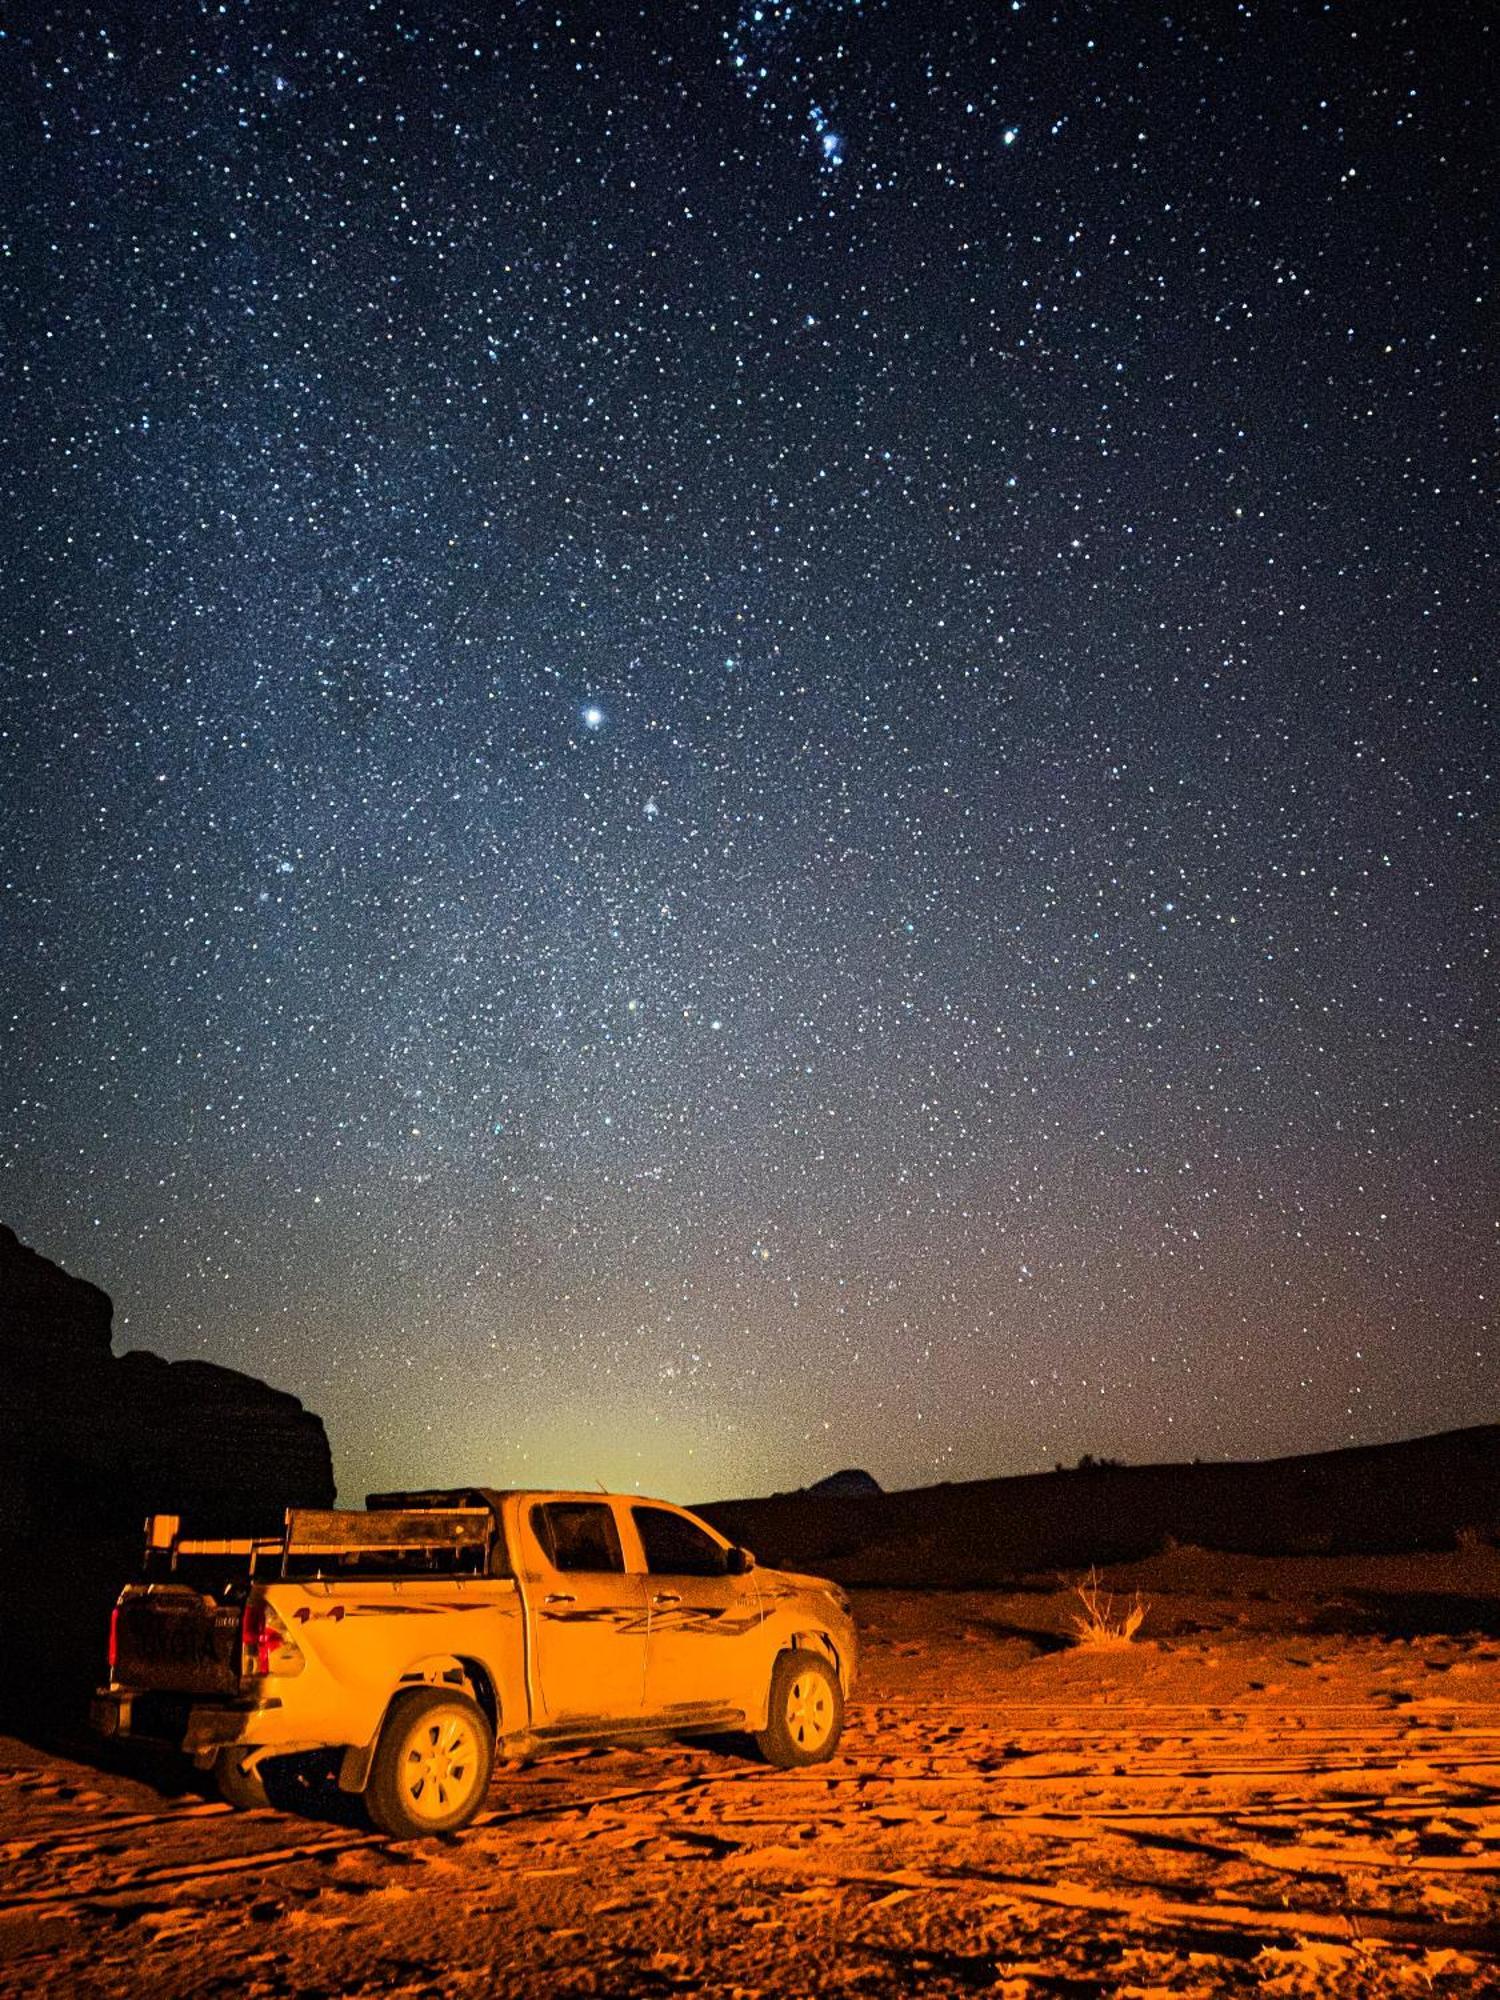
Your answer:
<point x="434" y="1631"/>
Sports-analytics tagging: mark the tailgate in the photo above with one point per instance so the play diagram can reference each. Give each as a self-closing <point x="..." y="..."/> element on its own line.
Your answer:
<point x="172" y="1637"/>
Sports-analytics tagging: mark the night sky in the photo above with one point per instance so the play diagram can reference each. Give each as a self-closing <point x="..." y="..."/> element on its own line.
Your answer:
<point x="742" y="740"/>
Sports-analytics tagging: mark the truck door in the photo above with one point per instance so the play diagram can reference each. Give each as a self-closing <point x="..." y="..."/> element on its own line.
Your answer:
<point x="588" y="1615"/>
<point x="703" y="1652"/>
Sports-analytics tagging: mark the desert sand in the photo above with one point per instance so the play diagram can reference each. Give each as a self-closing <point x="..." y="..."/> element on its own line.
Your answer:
<point x="1288" y="1784"/>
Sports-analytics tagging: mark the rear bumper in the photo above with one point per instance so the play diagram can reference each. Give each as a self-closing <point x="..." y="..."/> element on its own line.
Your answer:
<point x="201" y="1728"/>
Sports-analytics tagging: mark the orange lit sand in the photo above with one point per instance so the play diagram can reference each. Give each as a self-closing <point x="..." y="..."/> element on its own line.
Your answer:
<point x="1290" y="1784"/>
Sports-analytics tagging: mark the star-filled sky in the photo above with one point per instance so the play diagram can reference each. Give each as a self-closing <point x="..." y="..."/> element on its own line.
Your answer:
<point x="744" y="738"/>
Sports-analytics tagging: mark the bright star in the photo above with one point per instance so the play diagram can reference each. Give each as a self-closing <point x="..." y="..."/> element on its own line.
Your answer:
<point x="593" y="717"/>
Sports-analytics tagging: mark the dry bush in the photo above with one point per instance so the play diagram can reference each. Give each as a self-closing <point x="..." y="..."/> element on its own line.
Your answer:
<point x="1098" y="1623"/>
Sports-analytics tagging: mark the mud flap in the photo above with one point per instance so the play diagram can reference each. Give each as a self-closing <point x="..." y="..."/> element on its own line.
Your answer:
<point x="354" y="1765"/>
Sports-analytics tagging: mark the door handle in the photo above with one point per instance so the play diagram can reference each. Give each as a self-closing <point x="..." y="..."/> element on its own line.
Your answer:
<point x="559" y="1597"/>
<point x="667" y="1597"/>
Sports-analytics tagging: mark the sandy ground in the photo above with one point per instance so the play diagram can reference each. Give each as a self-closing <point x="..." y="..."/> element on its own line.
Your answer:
<point x="1291" y="1790"/>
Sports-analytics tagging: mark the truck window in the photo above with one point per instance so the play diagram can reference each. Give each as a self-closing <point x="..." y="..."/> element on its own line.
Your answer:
<point x="676" y="1546"/>
<point x="578" y="1535"/>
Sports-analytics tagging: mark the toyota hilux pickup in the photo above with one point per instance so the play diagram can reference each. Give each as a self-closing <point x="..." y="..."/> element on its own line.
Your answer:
<point x="434" y="1632"/>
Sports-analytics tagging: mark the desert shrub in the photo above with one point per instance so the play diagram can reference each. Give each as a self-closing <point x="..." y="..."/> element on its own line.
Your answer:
<point x="1473" y="1541"/>
<point x="1098" y="1622"/>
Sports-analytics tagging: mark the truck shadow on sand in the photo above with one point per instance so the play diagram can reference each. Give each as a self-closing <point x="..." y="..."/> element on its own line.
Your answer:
<point x="54" y="1634"/>
<point x="307" y="1787"/>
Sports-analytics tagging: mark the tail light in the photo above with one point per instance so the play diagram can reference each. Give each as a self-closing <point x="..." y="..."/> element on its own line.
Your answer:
<point x="114" y="1639"/>
<point x="266" y="1646"/>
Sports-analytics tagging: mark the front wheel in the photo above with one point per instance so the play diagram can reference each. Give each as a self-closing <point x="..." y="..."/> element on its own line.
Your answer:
<point x="432" y="1764"/>
<point x="806" y="1716"/>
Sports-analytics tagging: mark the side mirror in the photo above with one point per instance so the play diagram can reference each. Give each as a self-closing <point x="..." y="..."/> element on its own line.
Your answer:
<point x="738" y="1562"/>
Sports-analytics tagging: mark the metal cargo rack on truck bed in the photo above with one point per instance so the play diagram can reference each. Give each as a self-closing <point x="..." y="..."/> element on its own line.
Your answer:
<point x="330" y="1542"/>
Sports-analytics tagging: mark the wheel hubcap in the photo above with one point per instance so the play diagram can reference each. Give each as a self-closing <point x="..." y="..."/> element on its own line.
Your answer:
<point x="809" y="1711"/>
<point x="439" y="1765"/>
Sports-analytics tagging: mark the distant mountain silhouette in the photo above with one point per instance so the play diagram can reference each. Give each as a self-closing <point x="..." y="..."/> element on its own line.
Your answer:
<point x="1419" y="1494"/>
<point x="851" y="1483"/>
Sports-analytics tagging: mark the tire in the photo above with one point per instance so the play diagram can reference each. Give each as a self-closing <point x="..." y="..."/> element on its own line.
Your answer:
<point x="239" y="1785"/>
<point x="806" y="1715"/>
<point x="432" y="1765"/>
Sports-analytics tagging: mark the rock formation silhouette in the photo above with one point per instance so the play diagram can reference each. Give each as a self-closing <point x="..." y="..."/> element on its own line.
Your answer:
<point x="91" y="1441"/>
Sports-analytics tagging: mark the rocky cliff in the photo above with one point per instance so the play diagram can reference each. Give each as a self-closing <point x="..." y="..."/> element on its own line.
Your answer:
<point x="91" y="1441"/>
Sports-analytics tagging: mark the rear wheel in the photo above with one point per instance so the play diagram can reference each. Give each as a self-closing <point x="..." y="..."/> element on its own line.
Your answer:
<point x="806" y="1716"/>
<point x="239" y="1784"/>
<point x="432" y="1764"/>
